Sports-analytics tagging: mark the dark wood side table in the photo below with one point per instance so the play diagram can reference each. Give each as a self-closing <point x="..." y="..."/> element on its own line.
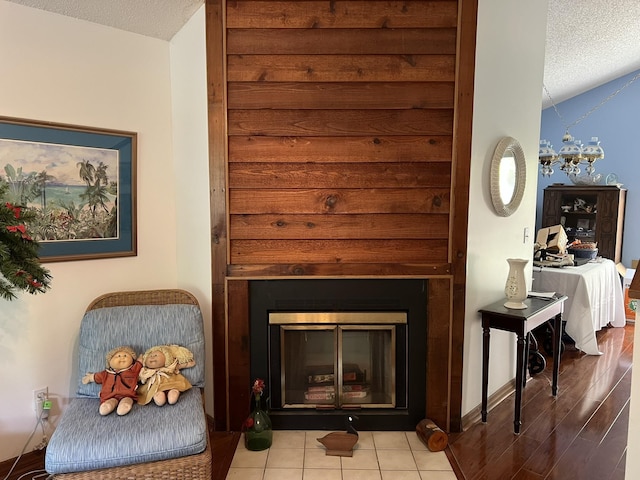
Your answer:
<point x="520" y="322"/>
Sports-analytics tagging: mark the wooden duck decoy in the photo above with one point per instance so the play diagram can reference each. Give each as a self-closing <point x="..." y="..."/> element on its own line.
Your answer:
<point x="341" y="443"/>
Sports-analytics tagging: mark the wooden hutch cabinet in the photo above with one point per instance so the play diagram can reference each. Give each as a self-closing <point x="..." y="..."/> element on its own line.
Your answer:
<point x="588" y="213"/>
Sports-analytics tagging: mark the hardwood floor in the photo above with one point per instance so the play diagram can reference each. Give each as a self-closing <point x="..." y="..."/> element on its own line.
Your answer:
<point x="223" y="447"/>
<point x="582" y="434"/>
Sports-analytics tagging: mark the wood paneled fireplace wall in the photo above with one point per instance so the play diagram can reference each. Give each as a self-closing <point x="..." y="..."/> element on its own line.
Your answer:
<point x="340" y="139"/>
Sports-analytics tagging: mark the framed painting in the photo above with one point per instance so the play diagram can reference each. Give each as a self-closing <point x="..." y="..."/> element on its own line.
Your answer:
<point x="80" y="181"/>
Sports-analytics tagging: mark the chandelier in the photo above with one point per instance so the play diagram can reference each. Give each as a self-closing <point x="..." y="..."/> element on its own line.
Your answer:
<point x="573" y="153"/>
<point x="570" y="156"/>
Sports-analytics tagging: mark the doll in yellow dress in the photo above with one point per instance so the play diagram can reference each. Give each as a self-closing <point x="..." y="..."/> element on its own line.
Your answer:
<point x="160" y="377"/>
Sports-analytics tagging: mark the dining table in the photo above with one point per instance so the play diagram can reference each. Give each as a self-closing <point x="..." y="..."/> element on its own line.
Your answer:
<point x="595" y="299"/>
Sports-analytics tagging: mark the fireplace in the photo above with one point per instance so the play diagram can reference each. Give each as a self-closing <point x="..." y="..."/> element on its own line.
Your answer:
<point x="329" y="348"/>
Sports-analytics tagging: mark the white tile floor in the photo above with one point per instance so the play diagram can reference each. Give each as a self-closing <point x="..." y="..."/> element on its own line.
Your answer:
<point x="297" y="455"/>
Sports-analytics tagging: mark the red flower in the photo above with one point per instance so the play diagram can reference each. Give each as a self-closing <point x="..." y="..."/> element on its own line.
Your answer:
<point x="19" y="228"/>
<point x="248" y="423"/>
<point x="258" y="386"/>
<point x="16" y="210"/>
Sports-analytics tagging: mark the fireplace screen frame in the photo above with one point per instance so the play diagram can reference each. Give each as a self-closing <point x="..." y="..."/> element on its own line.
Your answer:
<point x="337" y="324"/>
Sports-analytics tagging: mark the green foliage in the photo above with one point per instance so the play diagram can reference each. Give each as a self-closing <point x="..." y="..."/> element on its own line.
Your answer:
<point x="21" y="187"/>
<point x="28" y="216"/>
<point x="20" y="267"/>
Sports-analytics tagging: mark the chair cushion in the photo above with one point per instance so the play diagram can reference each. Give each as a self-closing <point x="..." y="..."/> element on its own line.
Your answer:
<point x="140" y="327"/>
<point x="85" y="440"/>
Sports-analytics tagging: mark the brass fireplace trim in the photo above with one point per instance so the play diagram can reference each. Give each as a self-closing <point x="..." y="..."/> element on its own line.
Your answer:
<point x="338" y="318"/>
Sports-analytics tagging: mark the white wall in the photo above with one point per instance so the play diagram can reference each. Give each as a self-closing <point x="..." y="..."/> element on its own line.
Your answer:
<point x="191" y="162"/>
<point x="507" y="102"/>
<point x="58" y="69"/>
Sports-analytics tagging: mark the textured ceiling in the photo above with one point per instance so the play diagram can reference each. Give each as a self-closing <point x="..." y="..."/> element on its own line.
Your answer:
<point x="589" y="42"/>
<point x="153" y="18"/>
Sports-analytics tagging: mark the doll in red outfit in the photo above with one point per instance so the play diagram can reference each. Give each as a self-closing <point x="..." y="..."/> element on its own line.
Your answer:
<point x="119" y="381"/>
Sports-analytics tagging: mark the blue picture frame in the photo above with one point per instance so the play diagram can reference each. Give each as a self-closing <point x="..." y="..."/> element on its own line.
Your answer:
<point x="88" y="174"/>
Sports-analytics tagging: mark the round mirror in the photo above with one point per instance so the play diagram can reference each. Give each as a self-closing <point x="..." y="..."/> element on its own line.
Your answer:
<point x="508" y="176"/>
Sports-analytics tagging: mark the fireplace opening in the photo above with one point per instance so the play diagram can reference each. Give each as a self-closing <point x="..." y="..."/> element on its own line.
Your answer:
<point x="338" y="359"/>
<point x="329" y="348"/>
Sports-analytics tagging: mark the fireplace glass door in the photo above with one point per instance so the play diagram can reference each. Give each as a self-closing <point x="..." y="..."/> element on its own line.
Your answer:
<point x="339" y="361"/>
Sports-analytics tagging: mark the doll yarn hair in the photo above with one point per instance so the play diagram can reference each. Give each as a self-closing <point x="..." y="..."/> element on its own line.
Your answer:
<point x="171" y="353"/>
<point x="113" y="351"/>
<point x="166" y="351"/>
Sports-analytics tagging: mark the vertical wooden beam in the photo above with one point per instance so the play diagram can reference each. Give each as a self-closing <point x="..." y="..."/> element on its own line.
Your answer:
<point x="439" y="354"/>
<point x="216" y="75"/>
<point x="239" y="354"/>
<point x="463" y="121"/>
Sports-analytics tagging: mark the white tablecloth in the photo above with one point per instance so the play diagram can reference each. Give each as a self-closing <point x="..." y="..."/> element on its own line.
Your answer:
<point x="595" y="299"/>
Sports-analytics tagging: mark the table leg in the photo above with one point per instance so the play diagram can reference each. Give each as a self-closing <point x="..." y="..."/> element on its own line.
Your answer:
<point x="519" y="374"/>
<point x="485" y="370"/>
<point x="527" y="350"/>
<point x="557" y="349"/>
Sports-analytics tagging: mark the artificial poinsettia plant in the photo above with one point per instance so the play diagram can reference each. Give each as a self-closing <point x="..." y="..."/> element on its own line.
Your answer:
<point x="20" y="267"/>
<point x="258" y="388"/>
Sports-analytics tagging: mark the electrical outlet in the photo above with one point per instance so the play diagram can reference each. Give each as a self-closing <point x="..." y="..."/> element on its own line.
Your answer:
<point x="39" y="397"/>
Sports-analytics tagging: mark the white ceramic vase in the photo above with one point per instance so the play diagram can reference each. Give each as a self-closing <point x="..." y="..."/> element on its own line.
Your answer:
<point x="516" y="288"/>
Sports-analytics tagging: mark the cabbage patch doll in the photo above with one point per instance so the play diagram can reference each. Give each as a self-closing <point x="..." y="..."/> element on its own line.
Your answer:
<point x="119" y="381"/>
<point x="160" y="377"/>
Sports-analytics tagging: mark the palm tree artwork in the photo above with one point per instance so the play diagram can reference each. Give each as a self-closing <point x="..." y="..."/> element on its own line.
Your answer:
<point x="41" y="181"/>
<point x="72" y="191"/>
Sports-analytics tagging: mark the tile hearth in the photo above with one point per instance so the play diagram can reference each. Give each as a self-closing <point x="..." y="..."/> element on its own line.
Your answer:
<point x="297" y="455"/>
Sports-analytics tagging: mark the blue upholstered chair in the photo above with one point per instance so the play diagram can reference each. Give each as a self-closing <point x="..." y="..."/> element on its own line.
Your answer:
<point x="149" y="442"/>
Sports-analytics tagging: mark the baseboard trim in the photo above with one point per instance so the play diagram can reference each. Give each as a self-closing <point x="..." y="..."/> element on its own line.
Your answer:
<point x="475" y="415"/>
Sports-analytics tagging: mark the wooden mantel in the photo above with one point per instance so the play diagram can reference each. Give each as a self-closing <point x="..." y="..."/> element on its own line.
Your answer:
<point x="340" y="144"/>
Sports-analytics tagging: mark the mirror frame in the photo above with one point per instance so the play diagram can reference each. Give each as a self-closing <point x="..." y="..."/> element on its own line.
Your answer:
<point x="504" y="145"/>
